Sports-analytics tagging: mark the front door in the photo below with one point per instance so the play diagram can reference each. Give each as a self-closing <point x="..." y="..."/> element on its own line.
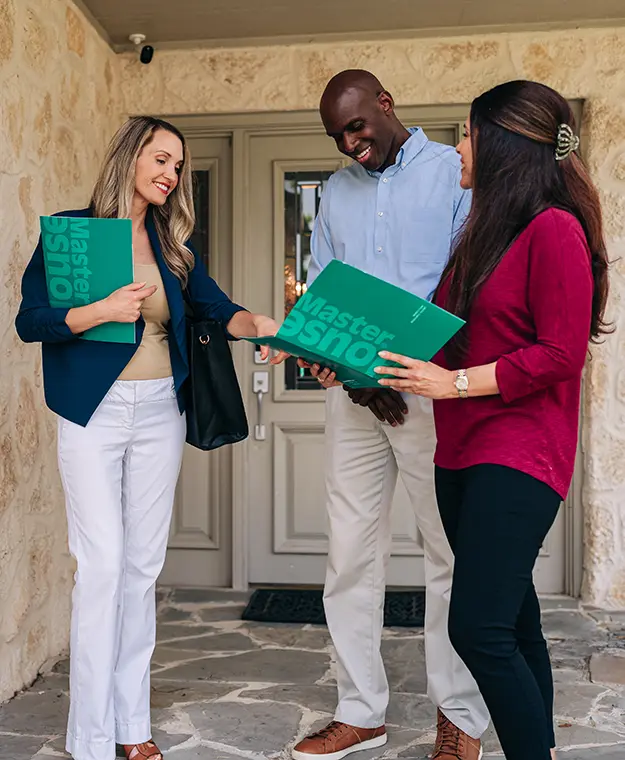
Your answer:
<point x="200" y="544"/>
<point x="271" y="507"/>
<point x="285" y="457"/>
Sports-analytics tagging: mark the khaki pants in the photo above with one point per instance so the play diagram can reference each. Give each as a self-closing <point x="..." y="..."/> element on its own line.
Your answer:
<point x="364" y="457"/>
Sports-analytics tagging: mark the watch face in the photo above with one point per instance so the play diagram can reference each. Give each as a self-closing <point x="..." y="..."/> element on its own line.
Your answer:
<point x="462" y="383"/>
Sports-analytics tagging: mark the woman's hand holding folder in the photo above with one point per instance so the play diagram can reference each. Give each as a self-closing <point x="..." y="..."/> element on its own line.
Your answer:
<point x="123" y="305"/>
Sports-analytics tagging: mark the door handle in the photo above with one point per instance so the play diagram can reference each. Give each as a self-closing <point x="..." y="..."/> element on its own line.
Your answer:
<point x="260" y="386"/>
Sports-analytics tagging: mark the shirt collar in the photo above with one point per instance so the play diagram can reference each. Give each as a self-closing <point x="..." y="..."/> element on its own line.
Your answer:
<point x="408" y="151"/>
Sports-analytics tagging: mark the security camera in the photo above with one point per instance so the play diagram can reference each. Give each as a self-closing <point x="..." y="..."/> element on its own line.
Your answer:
<point x="146" y="53"/>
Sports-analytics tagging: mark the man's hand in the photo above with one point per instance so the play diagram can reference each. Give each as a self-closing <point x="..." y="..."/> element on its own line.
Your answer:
<point x="386" y="405"/>
<point x="323" y="375"/>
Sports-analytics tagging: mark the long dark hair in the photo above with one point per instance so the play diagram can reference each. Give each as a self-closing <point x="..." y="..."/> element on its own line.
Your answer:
<point x="514" y="130"/>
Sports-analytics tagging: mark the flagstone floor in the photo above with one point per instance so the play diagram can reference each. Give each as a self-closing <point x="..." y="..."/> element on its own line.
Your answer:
<point x="224" y="689"/>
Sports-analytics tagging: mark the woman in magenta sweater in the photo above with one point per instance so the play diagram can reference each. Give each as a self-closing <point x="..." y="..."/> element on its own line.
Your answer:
<point x="529" y="274"/>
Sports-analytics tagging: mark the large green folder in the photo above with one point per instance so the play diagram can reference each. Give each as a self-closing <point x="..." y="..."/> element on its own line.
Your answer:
<point x="86" y="260"/>
<point x="347" y="316"/>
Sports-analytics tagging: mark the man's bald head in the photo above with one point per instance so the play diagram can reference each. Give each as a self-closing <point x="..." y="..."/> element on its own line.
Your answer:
<point x="358" y="113"/>
<point x="351" y="79"/>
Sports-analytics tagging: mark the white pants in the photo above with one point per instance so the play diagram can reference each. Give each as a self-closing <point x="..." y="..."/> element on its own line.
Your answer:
<point x="363" y="459"/>
<point x="119" y="474"/>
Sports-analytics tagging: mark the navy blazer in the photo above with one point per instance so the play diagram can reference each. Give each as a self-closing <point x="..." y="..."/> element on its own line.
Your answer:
<point x="77" y="374"/>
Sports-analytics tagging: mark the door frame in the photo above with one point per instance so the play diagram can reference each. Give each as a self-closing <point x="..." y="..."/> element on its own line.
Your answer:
<point x="240" y="128"/>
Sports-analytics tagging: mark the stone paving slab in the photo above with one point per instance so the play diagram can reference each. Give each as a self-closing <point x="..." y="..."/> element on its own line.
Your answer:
<point x="272" y="665"/>
<point x="51" y="682"/>
<point x="174" y="615"/>
<point x="404" y="660"/>
<point x="608" y="667"/>
<point x="223" y="688"/>
<point x="217" y="642"/>
<point x="254" y="726"/>
<point x="218" y="614"/>
<point x="167" y="694"/>
<point x="20" y="747"/>
<point x="173" y="631"/>
<point x="290" y="636"/>
<point x="569" y="625"/>
<point x="38" y="714"/>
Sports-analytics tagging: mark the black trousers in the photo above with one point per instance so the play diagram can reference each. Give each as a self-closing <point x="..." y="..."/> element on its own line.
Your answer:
<point x="496" y="520"/>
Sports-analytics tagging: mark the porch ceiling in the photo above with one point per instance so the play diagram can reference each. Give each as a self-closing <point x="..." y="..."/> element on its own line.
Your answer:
<point x="184" y="22"/>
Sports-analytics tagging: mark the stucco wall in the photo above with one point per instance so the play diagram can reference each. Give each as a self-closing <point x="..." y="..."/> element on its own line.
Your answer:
<point x="588" y="64"/>
<point x="59" y="106"/>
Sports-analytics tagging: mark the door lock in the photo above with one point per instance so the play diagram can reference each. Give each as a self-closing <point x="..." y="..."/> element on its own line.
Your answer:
<point x="257" y="357"/>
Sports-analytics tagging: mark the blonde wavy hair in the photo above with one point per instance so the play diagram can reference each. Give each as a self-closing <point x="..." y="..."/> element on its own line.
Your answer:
<point x="115" y="189"/>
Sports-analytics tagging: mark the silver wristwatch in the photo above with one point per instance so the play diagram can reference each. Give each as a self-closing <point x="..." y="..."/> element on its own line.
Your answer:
<point x="462" y="383"/>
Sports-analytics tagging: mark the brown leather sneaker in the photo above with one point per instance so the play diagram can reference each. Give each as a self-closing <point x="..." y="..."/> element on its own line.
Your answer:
<point x="454" y="744"/>
<point x="337" y="740"/>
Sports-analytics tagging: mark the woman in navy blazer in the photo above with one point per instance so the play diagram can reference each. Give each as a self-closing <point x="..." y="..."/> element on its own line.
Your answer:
<point x="122" y="428"/>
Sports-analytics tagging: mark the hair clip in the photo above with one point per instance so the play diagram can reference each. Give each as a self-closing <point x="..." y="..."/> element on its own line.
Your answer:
<point x="566" y="143"/>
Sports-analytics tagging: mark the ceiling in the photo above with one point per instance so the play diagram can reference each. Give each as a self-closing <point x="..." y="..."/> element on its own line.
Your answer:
<point x="174" y="23"/>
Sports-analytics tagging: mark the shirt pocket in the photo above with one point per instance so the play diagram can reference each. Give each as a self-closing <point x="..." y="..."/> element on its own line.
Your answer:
<point x="426" y="235"/>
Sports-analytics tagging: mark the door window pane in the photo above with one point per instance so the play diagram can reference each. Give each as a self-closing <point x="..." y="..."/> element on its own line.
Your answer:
<point x="200" y="239"/>
<point x="302" y="195"/>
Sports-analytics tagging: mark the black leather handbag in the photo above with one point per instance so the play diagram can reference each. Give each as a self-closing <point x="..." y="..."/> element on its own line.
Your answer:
<point x="214" y="406"/>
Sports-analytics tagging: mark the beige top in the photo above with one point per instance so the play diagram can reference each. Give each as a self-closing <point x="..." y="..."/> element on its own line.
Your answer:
<point x="151" y="360"/>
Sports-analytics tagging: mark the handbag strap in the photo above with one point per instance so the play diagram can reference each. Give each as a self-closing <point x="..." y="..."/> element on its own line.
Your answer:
<point x="189" y="311"/>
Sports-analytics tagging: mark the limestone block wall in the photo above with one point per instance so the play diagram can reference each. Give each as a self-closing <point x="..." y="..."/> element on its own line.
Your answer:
<point x="59" y="107"/>
<point x="64" y="93"/>
<point x="588" y="64"/>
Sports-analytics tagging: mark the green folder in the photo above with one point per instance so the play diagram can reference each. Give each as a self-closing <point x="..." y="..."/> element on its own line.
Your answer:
<point x="347" y="317"/>
<point x="86" y="260"/>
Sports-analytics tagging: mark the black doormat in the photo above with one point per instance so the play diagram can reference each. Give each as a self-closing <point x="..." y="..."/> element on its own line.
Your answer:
<point x="293" y="605"/>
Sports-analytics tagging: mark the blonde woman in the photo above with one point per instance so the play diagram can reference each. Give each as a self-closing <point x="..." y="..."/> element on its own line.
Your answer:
<point x="121" y="429"/>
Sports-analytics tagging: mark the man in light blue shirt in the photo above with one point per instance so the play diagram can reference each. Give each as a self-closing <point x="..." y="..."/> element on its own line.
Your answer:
<point x="397" y="223"/>
<point x="394" y="214"/>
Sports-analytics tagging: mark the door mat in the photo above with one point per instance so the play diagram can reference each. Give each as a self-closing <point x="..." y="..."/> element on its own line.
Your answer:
<point x="292" y="605"/>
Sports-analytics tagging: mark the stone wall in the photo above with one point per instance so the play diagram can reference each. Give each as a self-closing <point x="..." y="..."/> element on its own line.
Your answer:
<point x="59" y="108"/>
<point x="587" y="64"/>
<point x="63" y="94"/>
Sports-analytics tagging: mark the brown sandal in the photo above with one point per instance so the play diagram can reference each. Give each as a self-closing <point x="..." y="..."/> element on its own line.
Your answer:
<point x="142" y="751"/>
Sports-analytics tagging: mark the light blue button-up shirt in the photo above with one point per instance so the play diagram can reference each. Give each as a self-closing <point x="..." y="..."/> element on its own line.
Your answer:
<point x="398" y="224"/>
